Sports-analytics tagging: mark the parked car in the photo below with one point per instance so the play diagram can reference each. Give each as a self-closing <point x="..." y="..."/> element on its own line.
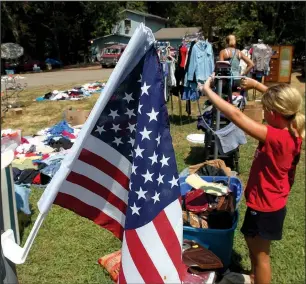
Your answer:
<point x="24" y="65"/>
<point x="111" y="55"/>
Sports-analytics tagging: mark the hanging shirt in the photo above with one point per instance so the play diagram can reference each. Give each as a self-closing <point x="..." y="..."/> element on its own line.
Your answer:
<point x="261" y="57"/>
<point x="201" y="61"/>
<point x="183" y="54"/>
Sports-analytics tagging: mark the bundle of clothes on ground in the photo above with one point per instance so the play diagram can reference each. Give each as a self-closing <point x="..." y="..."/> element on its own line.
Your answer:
<point x="75" y="94"/>
<point x="38" y="158"/>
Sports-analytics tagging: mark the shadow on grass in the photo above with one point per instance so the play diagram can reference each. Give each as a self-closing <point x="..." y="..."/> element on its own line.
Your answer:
<point x="236" y="265"/>
<point x="24" y="221"/>
<point x="183" y="120"/>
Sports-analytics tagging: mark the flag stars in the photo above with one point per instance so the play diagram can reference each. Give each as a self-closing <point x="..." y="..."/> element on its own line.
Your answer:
<point x="128" y="97"/>
<point x="148" y="176"/>
<point x="134" y="169"/>
<point x="132" y="141"/>
<point x="116" y="127"/>
<point x="113" y="113"/>
<point x="174" y="182"/>
<point x="156" y="197"/>
<point x="138" y="152"/>
<point x="145" y="134"/>
<point x="164" y="161"/>
<point x="152" y="115"/>
<point x="140" y="80"/>
<point x="141" y="193"/>
<point x="160" y="179"/>
<point x="117" y="141"/>
<point x="145" y="88"/>
<point x="153" y="158"/>
<point x="130" y="113"/>
<point x="139" y="108"/>
<point x="132" y="127"/>
<point x="135" y="209"/>
<point x="100" y="129"/>
<point x="158" y="139"/>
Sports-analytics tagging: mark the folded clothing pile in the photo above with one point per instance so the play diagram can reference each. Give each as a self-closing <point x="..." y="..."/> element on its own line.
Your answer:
<point x="208" y="205"/>
<point x="75" y="94"/>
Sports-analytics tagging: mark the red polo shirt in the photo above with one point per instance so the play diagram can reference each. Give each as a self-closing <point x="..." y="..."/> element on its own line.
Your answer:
<point x="272" y="172"/>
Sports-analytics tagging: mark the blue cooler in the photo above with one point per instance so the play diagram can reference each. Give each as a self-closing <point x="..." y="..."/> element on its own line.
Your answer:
<point x="220" y="242"/>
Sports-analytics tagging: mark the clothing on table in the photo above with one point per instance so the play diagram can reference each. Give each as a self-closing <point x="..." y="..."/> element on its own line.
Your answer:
<point x="26" y="176"/>
<point x="60" y="143"/>
<point x="53" y="165"/>
<point x="25" y="163"/>
<point x="273" y="170"/>
<point x="59" y="128"/>
<point x="267" y="225"/>
<point x="261" y="57"/>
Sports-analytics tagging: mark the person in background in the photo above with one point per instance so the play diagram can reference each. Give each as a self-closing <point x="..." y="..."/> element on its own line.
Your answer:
<point x="273" y="170"/>
<point x="234" y="55"/>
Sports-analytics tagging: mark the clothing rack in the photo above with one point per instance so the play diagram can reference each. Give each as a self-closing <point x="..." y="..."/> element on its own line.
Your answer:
<point x="219" y="90"/>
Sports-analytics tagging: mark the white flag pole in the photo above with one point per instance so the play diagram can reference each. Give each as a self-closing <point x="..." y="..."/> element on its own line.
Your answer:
<point x="141" y="40"/>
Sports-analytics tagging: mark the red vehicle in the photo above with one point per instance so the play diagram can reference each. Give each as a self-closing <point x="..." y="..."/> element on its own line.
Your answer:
<point x="111" y="55"/>
<point x="24" y="65"/>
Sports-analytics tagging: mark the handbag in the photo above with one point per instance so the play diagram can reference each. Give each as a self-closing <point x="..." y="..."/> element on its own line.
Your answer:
<point x="196" y="201"/>
<point x="198" y="257"/>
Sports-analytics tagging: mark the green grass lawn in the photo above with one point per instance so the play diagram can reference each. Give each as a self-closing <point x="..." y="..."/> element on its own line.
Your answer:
<point x="67" y="247"/>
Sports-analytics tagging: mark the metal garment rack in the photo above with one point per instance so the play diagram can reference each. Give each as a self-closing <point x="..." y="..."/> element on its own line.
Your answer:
<point x="219" y="90"/>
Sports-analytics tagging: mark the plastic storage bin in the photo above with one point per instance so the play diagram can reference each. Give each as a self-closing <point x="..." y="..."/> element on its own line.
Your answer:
<point x="234" y="185"/>
<point x="220" y="242"/>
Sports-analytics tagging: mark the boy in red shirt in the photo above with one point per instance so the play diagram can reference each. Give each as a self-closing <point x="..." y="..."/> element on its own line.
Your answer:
<point x="273" y="169"/>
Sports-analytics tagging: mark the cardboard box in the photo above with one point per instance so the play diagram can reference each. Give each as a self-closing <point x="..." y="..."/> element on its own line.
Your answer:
<point x="254" y="111"/>
<point x="76" y="117"/>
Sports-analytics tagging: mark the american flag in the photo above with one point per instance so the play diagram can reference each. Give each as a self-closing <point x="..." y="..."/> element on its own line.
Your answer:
<point x="125" y="178"/>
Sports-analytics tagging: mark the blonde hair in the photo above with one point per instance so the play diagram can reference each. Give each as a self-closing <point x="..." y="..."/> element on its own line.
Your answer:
<point x="231" y="40"/>
<point x="286" y="101"/>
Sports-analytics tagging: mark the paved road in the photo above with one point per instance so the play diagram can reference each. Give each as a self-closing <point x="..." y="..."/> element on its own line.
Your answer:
<point x="68" y="76"/>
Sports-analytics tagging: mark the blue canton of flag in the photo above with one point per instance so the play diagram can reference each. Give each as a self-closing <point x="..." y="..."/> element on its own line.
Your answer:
<point x="154" y="179"/>
<point x="152" y="240"/>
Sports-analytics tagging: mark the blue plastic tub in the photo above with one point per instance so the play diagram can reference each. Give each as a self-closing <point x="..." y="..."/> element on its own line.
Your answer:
<point x="220" y="242"/>
<point x="234" y="185"/>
